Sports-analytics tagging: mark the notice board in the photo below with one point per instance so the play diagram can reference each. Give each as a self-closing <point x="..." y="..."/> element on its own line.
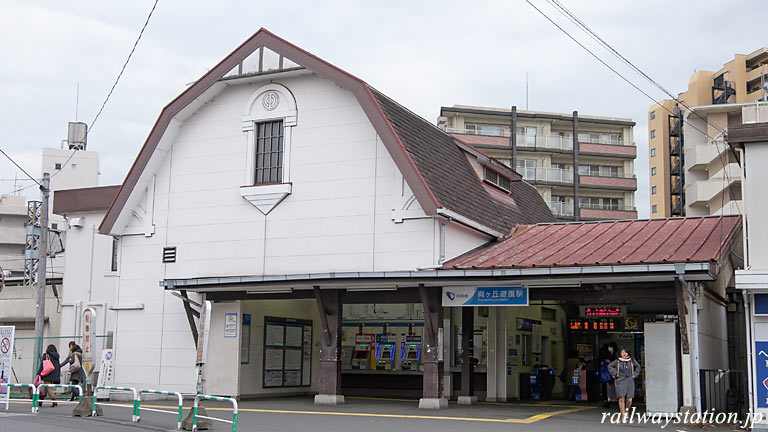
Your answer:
<point x="287" y="352"/>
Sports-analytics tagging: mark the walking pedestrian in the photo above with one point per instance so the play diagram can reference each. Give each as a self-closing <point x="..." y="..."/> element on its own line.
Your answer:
<point x="76" y="372"/>
<point x="624" y="370"/>
<point x="50" y="373"/>
<point x="608" y="353"/>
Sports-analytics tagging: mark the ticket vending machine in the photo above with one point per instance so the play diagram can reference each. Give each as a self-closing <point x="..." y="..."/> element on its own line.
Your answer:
<point x="361" y="356"/>
<point x="386" y="345"/>
<point x="410" y="357"/>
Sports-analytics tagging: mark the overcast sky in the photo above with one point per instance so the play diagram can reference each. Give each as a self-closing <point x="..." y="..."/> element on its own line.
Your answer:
<point x="423" y="54"/>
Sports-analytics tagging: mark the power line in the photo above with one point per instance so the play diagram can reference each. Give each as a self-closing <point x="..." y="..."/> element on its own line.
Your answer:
<point x="584" y="27"/>
<point x="114" y="85"/>
<point x="19" y="167"/>
<point x="612" y="69"/>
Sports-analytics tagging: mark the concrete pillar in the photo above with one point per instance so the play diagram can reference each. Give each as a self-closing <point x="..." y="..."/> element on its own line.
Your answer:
<point x="329" y="306"/>
<point x="497" y="354"/>
<point x="432" y="350"/>
<point x="467" y="396"/>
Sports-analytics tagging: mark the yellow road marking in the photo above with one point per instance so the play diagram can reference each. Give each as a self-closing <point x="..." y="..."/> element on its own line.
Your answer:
<point x="527" y="420"/>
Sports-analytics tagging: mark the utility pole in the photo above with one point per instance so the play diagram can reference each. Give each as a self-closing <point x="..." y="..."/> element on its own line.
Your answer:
<point x="42" y="253"/>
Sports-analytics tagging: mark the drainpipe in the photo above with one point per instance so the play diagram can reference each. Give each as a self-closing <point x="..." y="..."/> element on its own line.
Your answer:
<point x="513" y="137"/>
<point x="748" y="325"/>
<point x="576" y="208"/>
<point x="441" y="259"/>
<point x="694" y="348"/>
<point x="442" y="242"/>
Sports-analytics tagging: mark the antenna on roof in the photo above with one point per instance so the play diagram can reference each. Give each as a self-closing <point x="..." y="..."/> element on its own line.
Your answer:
<point x="77" y="101"/>
<point x="526" y="90"/>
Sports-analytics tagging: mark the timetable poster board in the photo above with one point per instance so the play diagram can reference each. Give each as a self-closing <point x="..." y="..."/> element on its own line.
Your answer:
<point x="287" y="352"/>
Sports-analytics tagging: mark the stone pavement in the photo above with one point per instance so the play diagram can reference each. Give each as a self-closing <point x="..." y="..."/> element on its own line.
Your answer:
<point x="359" y="414"/>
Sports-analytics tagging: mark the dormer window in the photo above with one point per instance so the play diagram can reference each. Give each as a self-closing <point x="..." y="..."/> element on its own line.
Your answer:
<point x="269" y="118"/>
<point x="497" y="179"/>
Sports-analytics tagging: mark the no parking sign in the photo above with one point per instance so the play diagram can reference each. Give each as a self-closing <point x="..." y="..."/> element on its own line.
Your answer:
<point x="6" y="355"/>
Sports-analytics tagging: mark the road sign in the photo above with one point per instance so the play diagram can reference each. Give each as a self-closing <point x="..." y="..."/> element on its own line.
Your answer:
<point x="6" y="356"/>
<point x="106" y="373"/>
<point x="761" y="373"/>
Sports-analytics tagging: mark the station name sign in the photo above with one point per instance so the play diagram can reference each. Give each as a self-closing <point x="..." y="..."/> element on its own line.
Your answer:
<point x="485" y="296"/>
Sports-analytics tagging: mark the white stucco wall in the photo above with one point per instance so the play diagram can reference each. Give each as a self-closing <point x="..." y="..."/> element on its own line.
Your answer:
<point x="337" y="218"/>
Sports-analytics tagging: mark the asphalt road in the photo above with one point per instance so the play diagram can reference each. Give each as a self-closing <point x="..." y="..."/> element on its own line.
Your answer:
<point x="364" y="415"/>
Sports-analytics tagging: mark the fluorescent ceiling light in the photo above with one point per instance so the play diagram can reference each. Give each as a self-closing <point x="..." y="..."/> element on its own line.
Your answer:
<point x="373" y="289"/>
<point x="272" y="291"/>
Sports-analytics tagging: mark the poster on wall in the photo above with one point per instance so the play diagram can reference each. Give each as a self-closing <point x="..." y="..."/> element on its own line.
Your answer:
<point x="274" y="335"/>
<point x="273" y="378"/>
<point x="230" y="325"/>
<point x="245" y="340"/>
<point x="294" y="336"/>
<point x="536" y="338"/>
<point x="586" y="352"/>
<point x="287" y="352"/>
<point x="273" y="359"/>
<point x="293" y="359"/>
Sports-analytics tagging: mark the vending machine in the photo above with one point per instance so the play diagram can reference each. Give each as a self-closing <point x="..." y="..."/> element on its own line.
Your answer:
<point x="410" y="359"/>
<point x="361" y="356"/>
<point x="386" y="345"/>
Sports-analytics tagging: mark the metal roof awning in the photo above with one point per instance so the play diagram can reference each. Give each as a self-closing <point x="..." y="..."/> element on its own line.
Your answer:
<point x="533" y="277"/>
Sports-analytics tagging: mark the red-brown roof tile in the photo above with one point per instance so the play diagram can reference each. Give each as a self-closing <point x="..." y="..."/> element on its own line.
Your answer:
<point x="580" y="244"/>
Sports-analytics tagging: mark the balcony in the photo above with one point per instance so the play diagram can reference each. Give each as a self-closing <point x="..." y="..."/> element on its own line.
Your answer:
<point x="703" y="191"/>
<point x="546" y="175"/>
<point x="602" y="212"/>
<point x="613" y="182"/>
<point x="734" y="207"/>
<point x="555" y="142"/>
<point x="561" y="208"/>
<point x="698" y="156"/>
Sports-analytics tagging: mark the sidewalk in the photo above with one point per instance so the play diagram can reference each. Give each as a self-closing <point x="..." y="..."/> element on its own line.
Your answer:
<point x="368" y="414"/>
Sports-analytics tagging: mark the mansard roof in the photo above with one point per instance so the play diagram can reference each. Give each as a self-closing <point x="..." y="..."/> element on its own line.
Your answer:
<point x="434" y="164"/>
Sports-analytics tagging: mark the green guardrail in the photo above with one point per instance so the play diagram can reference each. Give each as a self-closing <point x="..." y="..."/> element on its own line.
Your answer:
<point x="214" y="398"/>
<point x="167" y="393"/>
<point x="135" y="416"/>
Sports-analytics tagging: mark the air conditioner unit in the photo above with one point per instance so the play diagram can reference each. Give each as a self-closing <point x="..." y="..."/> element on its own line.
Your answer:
<point x="76" y="222"/>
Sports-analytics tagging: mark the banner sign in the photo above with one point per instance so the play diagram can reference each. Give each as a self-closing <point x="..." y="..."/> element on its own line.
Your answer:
<point x="89" y="332"/>
<point x="6" y="355"/>
<point x="203" y="333"/>
<point x="486" y="296"/>
<point x="106" y="373"/>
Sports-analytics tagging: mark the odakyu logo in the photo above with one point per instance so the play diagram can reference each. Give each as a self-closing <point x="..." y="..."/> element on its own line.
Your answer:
<point x="451" y="296"/>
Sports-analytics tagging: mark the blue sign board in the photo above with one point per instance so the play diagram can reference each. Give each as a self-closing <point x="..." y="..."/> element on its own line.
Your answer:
<point x="761" y="373"/>
<point x="486" y="296"/>
<point x="761" y="304"/>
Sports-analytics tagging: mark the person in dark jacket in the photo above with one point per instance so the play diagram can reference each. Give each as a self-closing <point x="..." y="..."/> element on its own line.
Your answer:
<point x="608" y="353"/>
<point x="624" y="370"/>
<point x="75" y="358"/>
<point x="53" y="377"/>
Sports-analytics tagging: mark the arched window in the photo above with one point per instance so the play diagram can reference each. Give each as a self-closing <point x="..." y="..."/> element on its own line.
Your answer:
<point x="268" y="121"/>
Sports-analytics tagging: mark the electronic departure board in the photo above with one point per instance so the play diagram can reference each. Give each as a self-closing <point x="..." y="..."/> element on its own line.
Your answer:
<point x="601" y="311"/>
<point x="600" y="324"/>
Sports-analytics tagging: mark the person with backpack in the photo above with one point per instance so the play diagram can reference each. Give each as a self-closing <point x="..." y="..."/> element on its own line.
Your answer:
<point x="76" y="372"/>
<point x="50" y="373"/>
<point x="624" y="370"/>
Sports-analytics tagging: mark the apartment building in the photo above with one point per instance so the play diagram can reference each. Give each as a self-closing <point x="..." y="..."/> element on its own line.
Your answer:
<point x="712" y="172"/>
<point x="739" y="81"/>
<point x="542" y="151"/>
<point x="13" y="222"/>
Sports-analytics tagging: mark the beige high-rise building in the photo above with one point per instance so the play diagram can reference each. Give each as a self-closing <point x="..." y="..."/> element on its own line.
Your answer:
<point x="741" y="80"/>
<point x="594" y="182"/>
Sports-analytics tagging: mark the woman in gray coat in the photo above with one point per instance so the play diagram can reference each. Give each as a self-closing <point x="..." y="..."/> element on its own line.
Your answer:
<point x="77" y="374"/>
<point x="624" y="370"/>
